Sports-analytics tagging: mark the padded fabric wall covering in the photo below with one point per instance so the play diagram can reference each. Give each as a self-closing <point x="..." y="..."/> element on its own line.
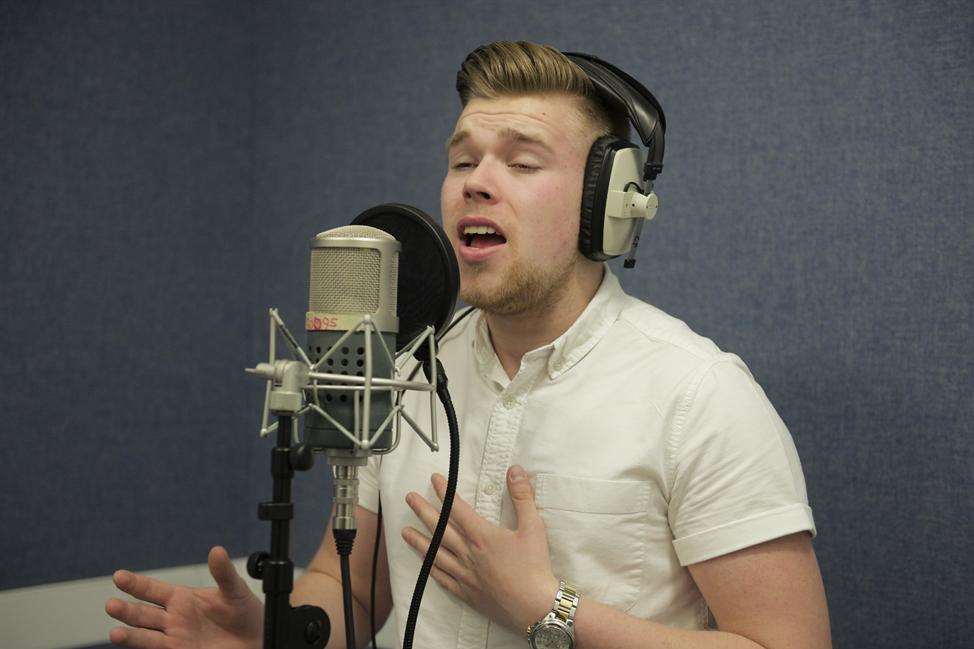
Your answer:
<point x="132" y="289"/>
<point x="163" y="168"/>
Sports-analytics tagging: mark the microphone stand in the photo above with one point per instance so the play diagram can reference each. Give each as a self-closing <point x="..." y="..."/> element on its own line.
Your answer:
<point x="285" y="626"/>
<point x="308" y="627"/>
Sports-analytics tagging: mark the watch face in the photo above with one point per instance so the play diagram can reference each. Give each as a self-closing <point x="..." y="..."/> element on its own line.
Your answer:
<point x="551" y="637"/>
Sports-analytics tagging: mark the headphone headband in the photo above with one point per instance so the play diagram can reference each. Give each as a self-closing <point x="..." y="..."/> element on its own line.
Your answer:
<point x="624" y="93"/>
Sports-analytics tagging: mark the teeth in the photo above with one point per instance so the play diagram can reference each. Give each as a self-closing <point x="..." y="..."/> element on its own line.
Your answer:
<point x="479" y="229"/>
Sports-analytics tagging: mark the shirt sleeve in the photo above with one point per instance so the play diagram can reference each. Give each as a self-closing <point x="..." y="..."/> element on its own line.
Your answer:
<point x="368" y="484"/>
<point x="735" y="474"/>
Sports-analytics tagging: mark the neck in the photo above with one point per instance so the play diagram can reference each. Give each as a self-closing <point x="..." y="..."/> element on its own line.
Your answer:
<point x="514" y="335"/>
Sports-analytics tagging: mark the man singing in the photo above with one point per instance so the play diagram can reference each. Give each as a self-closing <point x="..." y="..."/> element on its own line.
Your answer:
<point x="618" y="471"/>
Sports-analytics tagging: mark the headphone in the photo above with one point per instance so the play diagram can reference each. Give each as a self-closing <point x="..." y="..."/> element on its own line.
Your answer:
<point x="617" y="190"/>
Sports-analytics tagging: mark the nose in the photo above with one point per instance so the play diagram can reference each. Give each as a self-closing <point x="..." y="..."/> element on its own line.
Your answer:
<point x="478" y="186"/>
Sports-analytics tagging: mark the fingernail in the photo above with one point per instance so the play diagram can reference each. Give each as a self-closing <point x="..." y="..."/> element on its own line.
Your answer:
<point x="517" y="473"/>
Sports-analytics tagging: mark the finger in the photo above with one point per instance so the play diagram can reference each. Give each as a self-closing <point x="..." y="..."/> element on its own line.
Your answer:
<point x="462" y="514"/>
<point x="439" y="486"/>
<point x="430" y="516"/>
<point x="136" y="614"/>
<point x="137" y="638"/>
<point x="447" y="582"/>
<point x="522" y="496"/>
<point x="227" y="580"/>
<point x="445" y="560"/>
<point x="142" y="587"/>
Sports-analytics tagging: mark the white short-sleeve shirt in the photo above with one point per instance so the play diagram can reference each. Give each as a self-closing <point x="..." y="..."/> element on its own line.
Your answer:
<point x="648" y="447"/>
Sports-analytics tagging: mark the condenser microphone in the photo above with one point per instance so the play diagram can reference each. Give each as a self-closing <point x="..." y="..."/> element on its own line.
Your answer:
<point x="347" y="384"/>
<point x="354" y="276"/>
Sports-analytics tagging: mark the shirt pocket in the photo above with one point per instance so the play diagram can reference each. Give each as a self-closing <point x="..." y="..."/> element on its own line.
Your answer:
<point x="596" y="534"/>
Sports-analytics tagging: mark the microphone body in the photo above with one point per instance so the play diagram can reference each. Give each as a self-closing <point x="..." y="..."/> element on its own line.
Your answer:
<point x="354" y="273"/>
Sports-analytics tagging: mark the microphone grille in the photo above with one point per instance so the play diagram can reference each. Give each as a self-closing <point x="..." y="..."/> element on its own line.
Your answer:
<point x="346" y="279"/>
<point x="357" y="231"/>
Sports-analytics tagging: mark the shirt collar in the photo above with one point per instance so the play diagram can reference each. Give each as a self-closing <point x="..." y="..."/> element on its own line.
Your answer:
<point x="570" y="347"/>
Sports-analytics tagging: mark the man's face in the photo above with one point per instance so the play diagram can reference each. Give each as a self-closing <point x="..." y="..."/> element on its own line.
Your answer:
<point x="515" y="168"/>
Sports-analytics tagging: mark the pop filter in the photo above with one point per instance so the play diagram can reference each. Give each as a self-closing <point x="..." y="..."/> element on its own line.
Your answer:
<point x="429" y="277"/>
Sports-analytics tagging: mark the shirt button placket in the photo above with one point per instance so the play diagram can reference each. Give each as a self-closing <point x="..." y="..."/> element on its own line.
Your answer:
<point x="498" y="448"/>
<point x="499" y="445"/>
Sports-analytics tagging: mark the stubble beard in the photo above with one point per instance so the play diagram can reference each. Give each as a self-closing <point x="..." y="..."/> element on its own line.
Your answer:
<point x="522" y="288"/>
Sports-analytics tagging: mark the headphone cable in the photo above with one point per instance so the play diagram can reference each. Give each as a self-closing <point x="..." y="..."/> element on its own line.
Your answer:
<point x="378" y="527"/>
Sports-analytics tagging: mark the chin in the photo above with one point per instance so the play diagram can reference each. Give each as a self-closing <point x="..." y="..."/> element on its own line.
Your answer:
<point x="474" y="291"/>
<point x="480" y="291"/>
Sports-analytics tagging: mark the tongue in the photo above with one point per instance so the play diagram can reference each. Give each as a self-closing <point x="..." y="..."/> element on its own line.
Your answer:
<point x="487" y="240"/>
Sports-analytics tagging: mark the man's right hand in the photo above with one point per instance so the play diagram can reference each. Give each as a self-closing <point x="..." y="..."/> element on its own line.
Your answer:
<point x="229" y="616"/>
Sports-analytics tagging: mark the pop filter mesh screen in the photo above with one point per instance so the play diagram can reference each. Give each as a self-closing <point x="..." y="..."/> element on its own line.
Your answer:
<point x="429" y="277"/>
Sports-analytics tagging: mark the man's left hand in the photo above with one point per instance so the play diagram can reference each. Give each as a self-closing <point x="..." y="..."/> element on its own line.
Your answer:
<point x="504" y="574"/>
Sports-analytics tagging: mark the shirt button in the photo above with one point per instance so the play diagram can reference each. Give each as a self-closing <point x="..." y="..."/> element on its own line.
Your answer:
<point x="490" y="489"/>
<point x="510" y="402"/>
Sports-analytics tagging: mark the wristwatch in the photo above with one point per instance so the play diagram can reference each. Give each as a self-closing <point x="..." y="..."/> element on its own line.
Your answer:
<point x="556" y="630"/>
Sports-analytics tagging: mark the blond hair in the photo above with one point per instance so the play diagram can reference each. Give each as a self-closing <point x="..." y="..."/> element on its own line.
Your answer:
<point x="505" y="68"/>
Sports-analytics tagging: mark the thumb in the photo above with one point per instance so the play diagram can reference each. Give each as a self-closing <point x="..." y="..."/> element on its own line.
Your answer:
<point x="522" y="495"/>
<point x="227" y="580"/>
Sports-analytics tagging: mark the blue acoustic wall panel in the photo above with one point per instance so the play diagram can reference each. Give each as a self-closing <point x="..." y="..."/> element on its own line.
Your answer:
<point x="163" y="168"/>
<point x="131" y="298"/>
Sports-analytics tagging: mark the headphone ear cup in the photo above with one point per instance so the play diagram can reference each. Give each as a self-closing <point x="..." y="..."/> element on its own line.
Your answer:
<point x="592" y="219"/>
<point x="598" y="170"/>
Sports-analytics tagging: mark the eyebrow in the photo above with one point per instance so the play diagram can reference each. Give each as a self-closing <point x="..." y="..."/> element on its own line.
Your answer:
<point x="508" y="133"/>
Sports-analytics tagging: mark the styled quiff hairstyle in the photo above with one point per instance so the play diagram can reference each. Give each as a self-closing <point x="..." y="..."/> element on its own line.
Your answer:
<point x="506" y="68"/>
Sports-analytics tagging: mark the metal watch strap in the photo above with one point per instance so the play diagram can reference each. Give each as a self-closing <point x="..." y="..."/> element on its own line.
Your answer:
<point x="563" y="610"/>
<point x="566" y="601"/>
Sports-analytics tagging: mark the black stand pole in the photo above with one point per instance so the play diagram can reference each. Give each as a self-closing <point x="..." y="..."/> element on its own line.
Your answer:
<point x="285" y="627"/>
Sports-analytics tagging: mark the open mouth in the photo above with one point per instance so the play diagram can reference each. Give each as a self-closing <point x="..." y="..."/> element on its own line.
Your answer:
<point x="482" y="236"/>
